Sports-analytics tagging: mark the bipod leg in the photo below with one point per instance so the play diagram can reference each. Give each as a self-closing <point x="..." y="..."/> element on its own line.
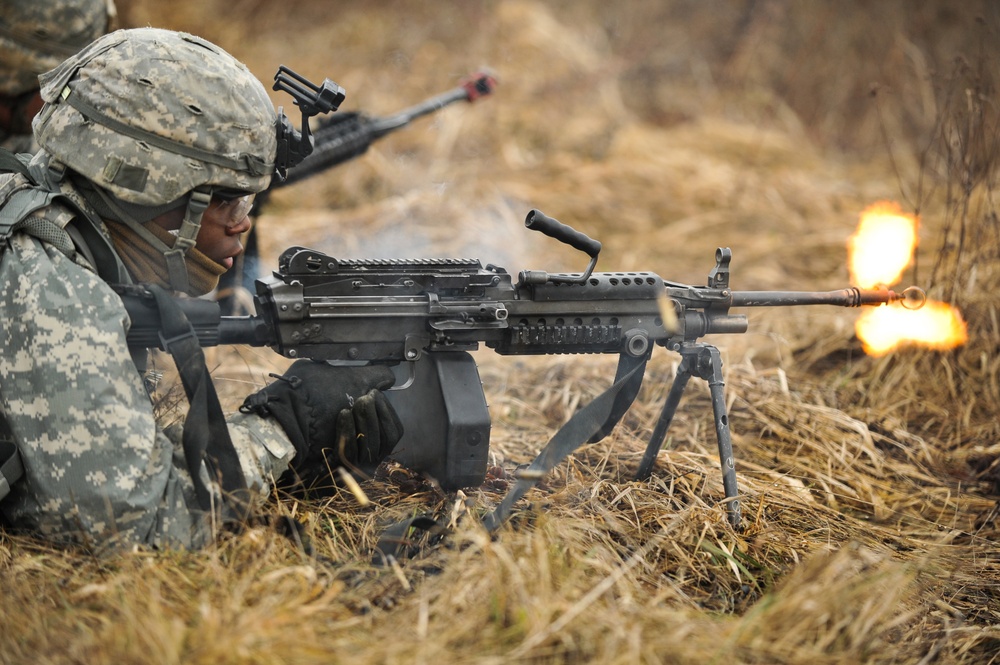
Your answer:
<point x="710" y="369"/>
<point x="705" y="362"/>
<point x="666" y="417"/>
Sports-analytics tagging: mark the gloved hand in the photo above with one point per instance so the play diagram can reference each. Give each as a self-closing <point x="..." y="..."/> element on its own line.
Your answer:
<point x="334" y="416"/>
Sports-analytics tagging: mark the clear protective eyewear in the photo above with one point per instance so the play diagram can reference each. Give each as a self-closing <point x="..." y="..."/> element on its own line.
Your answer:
<point x="235" y="207"/>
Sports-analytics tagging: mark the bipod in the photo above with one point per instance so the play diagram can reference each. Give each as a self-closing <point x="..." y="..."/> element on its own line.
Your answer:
<point x="704" y="362"/>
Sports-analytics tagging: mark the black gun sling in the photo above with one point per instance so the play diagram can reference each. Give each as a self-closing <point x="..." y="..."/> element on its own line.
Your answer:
<point x="206" y="437"/>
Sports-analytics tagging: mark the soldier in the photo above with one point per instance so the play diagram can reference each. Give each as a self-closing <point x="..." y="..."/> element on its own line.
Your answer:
<point x="35" y="36"/>
<point x="152" y="146"/>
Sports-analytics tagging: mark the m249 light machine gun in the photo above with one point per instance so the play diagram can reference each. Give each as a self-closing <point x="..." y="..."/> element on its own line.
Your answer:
<point x="423" y="317"/>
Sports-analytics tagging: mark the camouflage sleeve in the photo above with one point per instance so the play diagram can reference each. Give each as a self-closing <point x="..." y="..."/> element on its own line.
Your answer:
<point x="98" y="469"/>
<point x="262" y="446"/>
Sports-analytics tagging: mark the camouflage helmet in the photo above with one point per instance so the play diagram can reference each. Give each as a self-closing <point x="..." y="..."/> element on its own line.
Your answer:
<point x="150" y="115"/>
<point x="36" y="35"/>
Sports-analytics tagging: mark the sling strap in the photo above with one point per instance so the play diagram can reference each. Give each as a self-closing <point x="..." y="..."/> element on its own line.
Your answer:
<point x="10" y="163"/>
<point x="207" y="444"/>
<point x="581" y="428"/>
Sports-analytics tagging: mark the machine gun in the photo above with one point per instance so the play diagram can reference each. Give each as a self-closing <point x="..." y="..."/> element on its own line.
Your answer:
<point x="423" y="317"/>
<point x="344" y="136"/>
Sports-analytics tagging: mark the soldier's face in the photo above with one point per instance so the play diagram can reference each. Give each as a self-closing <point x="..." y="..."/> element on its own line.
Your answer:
<point x="222" y="226"/>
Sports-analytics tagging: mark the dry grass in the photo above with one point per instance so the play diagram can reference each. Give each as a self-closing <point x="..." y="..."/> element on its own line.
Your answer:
<point x="665" y="130"/>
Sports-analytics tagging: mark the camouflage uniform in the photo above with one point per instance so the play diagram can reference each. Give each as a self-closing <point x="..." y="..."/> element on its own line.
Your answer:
<point x="98" y="467"/>
<point x="35" y="36"/>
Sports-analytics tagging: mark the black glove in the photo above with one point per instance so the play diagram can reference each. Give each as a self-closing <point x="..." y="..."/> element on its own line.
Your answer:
<point x="334" y="416"/>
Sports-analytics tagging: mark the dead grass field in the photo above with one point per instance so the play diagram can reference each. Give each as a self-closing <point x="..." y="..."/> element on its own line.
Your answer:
<point x="665" y="130"/>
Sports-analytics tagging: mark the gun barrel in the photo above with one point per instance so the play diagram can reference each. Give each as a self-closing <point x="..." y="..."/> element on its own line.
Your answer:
<point x="472" y="88"/>
<point x="849" y="297"/>
<point x="382" y="126"/>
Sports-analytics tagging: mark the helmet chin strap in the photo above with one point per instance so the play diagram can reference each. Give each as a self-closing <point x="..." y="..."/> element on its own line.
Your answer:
<point x="186" y="236"/>
<point x="198" y="202"/>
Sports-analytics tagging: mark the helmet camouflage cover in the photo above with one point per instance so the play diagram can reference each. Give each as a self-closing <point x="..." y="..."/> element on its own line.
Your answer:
<point x="36" y="35"/>
<point x="151" y="114"/>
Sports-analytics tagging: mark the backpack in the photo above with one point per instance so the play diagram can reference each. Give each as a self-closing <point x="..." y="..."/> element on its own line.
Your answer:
<point x="20" y="196"/>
